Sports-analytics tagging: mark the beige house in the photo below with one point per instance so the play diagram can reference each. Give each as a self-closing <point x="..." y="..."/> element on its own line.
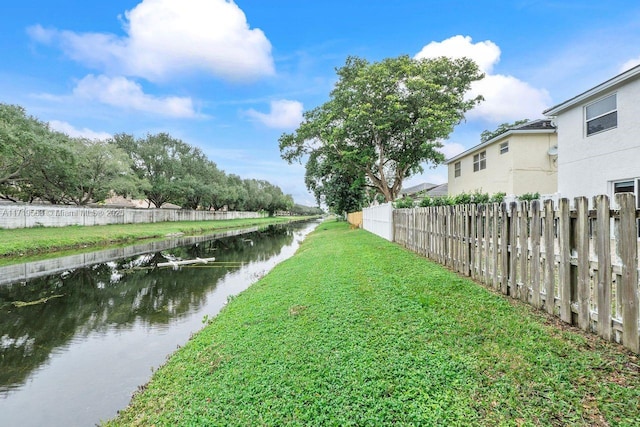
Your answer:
<point x="518" y="161"/>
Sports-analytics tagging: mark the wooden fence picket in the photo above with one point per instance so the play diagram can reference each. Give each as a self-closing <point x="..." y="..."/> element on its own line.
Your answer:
<point x="549" y="257"/>
<point x="523" y="238"/>
<point x="582" y="281"/>
<point x="629" y="256"/>
<point x="542" y="256"/>
<point x="535" y="264"/>
<point x="603" y="250"/>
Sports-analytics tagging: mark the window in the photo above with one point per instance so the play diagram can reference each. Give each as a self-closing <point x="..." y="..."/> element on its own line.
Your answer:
<point x="457" y="169"/>
<point x="480" y="161"/>
<point x="602" y="115"/>
<point x="504" y="147"/>
<point x="623" y="187"/>
<point x="627" y="186"/>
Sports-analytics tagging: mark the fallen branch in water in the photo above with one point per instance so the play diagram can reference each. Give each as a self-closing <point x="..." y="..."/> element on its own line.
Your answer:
<point x="40" y="301"/>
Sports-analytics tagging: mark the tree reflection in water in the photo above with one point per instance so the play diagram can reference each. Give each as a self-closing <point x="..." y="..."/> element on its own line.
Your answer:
<point x="115" y="295"/>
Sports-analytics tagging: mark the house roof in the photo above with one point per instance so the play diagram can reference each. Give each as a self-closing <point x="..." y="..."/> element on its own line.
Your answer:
<point x="439" y="190"/>
<point x="418" y="188"/>
<point x="613" y="82"/>
<point x="534" y="126"/>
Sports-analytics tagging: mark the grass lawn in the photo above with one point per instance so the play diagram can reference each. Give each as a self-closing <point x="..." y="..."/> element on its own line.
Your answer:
<point x="354" y="330"/>
<point x="29" y="241"/>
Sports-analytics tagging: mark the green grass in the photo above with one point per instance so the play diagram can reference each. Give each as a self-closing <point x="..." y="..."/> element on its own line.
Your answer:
<point x="354" y="330"/>
<point x="28" y="241"/>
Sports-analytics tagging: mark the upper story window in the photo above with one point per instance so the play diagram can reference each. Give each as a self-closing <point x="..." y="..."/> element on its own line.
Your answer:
<point x="602" y="115"/>
<point x="504" y="147"/>
<point x="480" y="161"/>
<point x="457" y="169"/>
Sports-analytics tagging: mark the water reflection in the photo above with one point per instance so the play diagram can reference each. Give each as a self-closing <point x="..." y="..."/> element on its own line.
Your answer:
<point x="46" y="316"/>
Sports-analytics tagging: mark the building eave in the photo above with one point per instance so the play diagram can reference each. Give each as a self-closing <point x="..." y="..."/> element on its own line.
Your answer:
<point x="500" y="137"/>
<point x="602" y="87"/>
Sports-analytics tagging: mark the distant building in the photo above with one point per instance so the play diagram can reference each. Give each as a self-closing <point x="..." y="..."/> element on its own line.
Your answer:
<point x="518" y="161"/>
<point x="599" y="138"/>
<point x="420" y="191"/>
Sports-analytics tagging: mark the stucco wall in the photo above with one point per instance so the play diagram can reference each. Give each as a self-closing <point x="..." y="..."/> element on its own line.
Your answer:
<point x="587" y="165"/>
<point x="526" y="168"/>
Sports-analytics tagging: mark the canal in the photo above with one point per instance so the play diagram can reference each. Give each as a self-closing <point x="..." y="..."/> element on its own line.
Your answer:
<point x="76" y="344"/>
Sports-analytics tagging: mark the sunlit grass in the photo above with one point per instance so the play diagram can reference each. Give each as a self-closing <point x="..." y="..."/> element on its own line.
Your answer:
<point x="355" y="330"/>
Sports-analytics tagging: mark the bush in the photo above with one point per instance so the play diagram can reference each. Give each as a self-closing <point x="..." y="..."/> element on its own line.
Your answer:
<point x="462" y="199"/>
<point x="404" y="203"/>
<point x="527" y="197"/>
<point x="436" y="201"/>
<point x="497" y="198"/>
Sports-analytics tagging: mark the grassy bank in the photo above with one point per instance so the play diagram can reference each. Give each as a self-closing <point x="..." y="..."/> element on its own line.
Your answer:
<point x="29" y="241"/>
<point x="354" y="330"/>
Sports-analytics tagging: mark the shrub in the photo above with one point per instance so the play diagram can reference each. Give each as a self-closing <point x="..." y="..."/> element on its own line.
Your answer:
<point x="527" y="197"/>
<point x="497" y="198"/>
<point x="404" y="203"/>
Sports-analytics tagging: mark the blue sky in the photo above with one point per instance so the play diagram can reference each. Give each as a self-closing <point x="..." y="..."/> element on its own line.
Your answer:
<point x="231" y="77"/>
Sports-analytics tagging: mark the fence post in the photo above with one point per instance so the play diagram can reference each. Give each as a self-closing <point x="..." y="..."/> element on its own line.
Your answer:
<point x="603" y="246"/>
<point x="535" y="263"/>
<point x="628" y="251"/>
<point x="550" y="257"/>
<point x="494" y="237"/>
<point x="504" y="244"/>
<point x="523" y="238"/>
<point x="485" y="276"/>
<point x="564" y="235"/>
<point x="472" y="240"/>
<point x="513" y="249"/>
<point x="479" y="220"/>
<point x="583" y="291"/>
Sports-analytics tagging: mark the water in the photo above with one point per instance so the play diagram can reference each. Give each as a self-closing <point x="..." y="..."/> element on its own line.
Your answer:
<point x="74" y="346"/>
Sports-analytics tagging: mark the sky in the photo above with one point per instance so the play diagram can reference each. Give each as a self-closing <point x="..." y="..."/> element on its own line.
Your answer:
<point x="230" y="77"/>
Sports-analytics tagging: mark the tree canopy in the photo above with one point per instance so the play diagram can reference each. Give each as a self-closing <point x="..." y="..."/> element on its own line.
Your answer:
<point x="486" y="134"/>
<point x="40" y="164"/>
<point x="382" y="122"/>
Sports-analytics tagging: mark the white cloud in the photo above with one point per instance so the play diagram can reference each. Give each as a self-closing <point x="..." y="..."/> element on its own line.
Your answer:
<point x="284" y="114"/>
<point x="124" y="93"/>
<point x="74" y="132"/>
<point x="506" y="97"/>
<point x="486" y="54"/>
<point x="166" y="38"/>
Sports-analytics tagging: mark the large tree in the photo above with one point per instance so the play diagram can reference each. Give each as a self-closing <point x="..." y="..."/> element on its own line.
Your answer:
<point x="384" y="120"/>
<point x="24" y="141"/>
<point x="333" y="184"/>
<point x="164" y="162"/>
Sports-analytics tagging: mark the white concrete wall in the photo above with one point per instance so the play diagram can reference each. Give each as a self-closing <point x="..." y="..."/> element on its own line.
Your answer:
<point x="587" y="165"/>
<point x="25" y="216"/>
<point x="379" y="220"/>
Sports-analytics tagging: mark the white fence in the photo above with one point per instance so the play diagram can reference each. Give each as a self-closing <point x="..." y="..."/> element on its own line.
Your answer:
<point x="379" y="220"/>
<point x="25" y="216"/>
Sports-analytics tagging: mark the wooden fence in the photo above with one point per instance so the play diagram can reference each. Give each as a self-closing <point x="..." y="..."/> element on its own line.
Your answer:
<point x="355" y="219"/>
<point x="578" y="264"/>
